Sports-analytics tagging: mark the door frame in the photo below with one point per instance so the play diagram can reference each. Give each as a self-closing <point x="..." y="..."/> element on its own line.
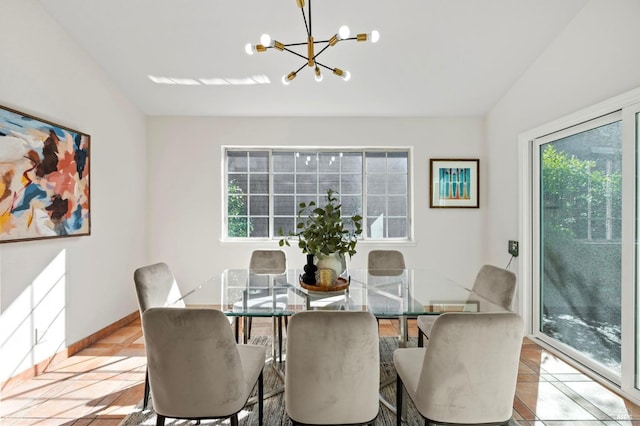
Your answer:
<point x="528" y="276"/>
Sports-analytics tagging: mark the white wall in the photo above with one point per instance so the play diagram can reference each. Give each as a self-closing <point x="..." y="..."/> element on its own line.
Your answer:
<point x="595" y="58"/>
<point x="185" y="188"/>
<point x="71" y="287"/>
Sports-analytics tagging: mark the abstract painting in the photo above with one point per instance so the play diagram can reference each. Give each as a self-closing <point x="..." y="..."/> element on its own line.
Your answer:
<point x="454" y="183"/>
<point x="44" y="179"/>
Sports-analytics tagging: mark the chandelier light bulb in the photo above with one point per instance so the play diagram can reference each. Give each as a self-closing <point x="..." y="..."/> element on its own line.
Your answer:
<point x="249" y="49"/>
<point x="346" y="76"/>
<point x="344" y="32"/>
<point x="318" y="75"/>
<point x="287" y="78"/>
<point x="375" y="36"/>
<point x="265" y="40"/>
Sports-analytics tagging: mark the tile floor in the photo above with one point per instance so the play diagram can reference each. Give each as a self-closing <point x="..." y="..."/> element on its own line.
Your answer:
<point x="101" y="384"/>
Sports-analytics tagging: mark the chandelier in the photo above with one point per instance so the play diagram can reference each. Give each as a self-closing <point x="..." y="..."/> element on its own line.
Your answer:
<point x="311" y="57"/>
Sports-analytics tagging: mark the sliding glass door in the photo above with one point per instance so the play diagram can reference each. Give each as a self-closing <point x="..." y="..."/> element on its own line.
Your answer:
<point x="579" y="242"/>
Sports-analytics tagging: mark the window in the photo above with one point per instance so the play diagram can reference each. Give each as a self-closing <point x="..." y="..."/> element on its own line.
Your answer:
<point x="580" y="234"/>
<point x="264" y="188"/>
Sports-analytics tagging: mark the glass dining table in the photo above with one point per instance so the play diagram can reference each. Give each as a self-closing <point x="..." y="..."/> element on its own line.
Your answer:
<point x="401" y="294"/>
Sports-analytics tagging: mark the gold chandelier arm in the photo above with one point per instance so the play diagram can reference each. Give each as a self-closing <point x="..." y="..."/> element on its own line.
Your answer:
<point x="310" y="58"/>
<point x="324" y="66"/>
<point x="310" y="54"/>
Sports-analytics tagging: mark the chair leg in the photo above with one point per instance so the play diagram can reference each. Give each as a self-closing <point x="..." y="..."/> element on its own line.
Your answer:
<point x="420" y="338"/>
<point x="280" y="338"/>
<point x="234" y="420"/>
<point x="260" y="398"/>
<point x="399" y="387"/>
<point x="146" y="390"/>
<point x="236" y="327"/>
<point x="160" y="420"/>
<point x="249" y="328"/>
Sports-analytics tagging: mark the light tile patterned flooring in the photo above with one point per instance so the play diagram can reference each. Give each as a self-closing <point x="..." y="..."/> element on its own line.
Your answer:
<point x="101" y="384"/>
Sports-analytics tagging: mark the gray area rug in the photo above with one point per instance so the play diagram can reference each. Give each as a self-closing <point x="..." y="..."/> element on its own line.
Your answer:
<point x="274" y="410"/>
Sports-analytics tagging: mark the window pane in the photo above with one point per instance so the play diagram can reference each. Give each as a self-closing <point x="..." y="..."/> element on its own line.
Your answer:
<point x="306" y="184"/>
<point x="397" y="184"/>
<point x="239" y="183"/>
<point x="375" y="226"/>
<point x="376" y="184"/>
<point x="397" y="162"/>
<point x="259" y="162"/>
<point x="237" y="205"/>
<point x="351" y="184"/>
<point x="258" y="205"/>
<point x="351" y="205"/>
<point x="283" y="162"/>
<point x="397" y="206"/>
<point x="237" y="161"/>
<point x="376" y="162"/>
<point x="259" y="184"/>
<point x="259" y="227"/>
<point x="352" y="162"/>
<point x="237" y="227"/>
<point x="329" y="162"/>
<point x="397" y="228"/>
<point x="331" y="181"/>
<point x="284" y="205"/>
<point x="283" y="184"/>
<point x="306" y="163"/>
<point x="287" y="225"/>
<point x="580" y="211"/>
<point x="376" y="205"/>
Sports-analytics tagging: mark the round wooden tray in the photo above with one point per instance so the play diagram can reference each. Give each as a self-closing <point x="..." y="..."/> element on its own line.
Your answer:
<point x="341" y="284"/>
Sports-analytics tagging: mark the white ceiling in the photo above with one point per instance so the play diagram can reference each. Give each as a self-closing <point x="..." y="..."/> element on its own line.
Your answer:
<point x="434" y="57"/>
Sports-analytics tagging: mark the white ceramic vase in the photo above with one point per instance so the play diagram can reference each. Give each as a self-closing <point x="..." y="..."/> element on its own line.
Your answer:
<point x="333" y="261"/>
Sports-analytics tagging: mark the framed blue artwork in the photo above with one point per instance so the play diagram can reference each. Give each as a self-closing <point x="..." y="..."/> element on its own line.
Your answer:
<point x="455" y="183"/>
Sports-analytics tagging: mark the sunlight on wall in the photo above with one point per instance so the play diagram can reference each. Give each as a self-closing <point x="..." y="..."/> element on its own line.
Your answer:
<point x="32" y="328"/>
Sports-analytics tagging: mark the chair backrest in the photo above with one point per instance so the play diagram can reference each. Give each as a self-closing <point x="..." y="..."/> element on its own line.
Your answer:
<point x="470" y="368"/>
<point x="385" y="262"/>
<point x="268" y="262"/>
<point x="156" y="286"/>
<point x="333" y="367"/>
<point x="496" y="286"/>
<point x="193" y="363"/>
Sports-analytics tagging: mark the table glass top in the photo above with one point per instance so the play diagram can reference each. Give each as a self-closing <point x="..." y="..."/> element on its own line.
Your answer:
<point x="407" y="292"/>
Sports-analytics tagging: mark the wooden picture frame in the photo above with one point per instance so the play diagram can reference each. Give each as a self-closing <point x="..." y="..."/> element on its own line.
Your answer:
<point x="44" y="179"/>
<point x="454" y="183"/>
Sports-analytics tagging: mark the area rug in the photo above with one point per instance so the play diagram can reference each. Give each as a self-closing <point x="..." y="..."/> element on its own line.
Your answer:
<point x="274" y="410"/>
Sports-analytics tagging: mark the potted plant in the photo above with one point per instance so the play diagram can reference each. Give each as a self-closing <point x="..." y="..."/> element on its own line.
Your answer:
<point x="321" y="231"/>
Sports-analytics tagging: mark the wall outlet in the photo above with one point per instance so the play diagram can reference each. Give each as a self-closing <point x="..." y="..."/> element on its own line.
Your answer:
<point x="513" y="248"/>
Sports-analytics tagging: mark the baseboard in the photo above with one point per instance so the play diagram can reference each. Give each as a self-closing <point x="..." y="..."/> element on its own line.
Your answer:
<point x="72" y="349"/>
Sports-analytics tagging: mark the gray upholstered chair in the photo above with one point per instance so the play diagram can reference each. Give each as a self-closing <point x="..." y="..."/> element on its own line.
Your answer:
<point x="467" y="373"/>
<point x="155" y="286"/>
<point x="196" y="368"/>
<point x="385" y="262"/>
<point x="333" y="368"/>
<point x="493" y="291"/>
<point x="265" y="262"/>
